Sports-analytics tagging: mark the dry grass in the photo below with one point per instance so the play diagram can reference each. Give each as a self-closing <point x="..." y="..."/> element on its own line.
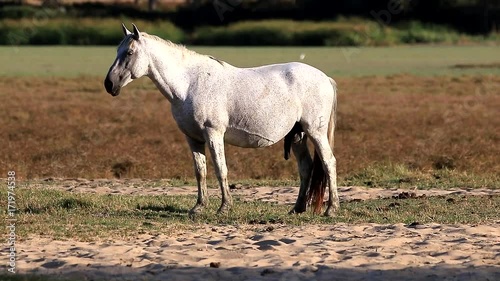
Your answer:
<point x="69" y="127"/>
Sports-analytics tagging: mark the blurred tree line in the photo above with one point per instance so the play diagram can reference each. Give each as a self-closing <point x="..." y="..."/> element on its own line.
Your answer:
<point x="472" y="16"/>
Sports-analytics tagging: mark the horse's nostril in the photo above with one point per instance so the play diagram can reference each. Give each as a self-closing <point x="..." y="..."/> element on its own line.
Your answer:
<point x="108" y="85"/>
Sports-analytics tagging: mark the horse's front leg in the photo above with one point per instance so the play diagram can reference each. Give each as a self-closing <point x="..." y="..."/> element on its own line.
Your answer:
<point x="215" y="140"/>
<point x="200" y="170"/>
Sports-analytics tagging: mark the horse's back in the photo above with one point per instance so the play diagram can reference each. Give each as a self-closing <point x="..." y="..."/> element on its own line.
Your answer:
<point x="309" y="87"/>
<point x="295" y="79"/>
<point x="264" y="103"/>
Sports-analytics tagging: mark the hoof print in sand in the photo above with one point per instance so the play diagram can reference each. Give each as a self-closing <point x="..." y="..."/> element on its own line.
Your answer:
<point x="267" y="244"/>
<point x="53" y="264"/>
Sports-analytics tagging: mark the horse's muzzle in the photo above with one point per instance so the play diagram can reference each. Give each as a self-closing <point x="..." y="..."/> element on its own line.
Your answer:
<point x="108" y="84"/>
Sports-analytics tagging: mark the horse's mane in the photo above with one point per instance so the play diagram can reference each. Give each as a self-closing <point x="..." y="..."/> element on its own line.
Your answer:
<point x="169" y="44"/>
<point x="180" y="47"/>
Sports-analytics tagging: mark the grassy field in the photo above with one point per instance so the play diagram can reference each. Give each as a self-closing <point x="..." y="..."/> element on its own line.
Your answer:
<point x="336" y="62"/>
<point x="410" y="117"/>
<point x="441" y="129"/>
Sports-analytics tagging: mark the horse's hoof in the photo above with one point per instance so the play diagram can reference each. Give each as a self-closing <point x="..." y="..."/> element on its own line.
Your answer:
<point x="224" y="209"/>
<point x="296" y="210"/>
<point x="330" y="211"/>
<point x="196" y="210"/>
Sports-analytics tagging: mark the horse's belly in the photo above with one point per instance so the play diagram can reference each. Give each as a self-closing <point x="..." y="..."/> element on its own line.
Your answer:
<point x="246" y="138"/>
<point x="260" y="126"/>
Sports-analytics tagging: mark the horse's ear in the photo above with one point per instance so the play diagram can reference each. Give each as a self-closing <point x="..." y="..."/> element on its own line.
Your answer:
<point x="137" y="33"/>
<point x="125" y="30"/>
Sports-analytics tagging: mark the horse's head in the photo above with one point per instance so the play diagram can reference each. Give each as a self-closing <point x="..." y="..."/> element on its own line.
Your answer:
<point x="131" y="62"/>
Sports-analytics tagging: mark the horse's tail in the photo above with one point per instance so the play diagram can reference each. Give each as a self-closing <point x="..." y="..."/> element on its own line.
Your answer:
<point x="319" y="179"/>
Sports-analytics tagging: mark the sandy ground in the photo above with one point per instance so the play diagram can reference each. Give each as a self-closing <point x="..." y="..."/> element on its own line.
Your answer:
<point x="326" y="252"/>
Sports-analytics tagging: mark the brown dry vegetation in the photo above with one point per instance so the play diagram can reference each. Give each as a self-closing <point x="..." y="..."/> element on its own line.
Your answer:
<point x="71" y="128"/>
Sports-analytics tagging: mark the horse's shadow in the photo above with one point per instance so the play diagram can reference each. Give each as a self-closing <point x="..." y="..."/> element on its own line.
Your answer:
<point x="163" y="211"/>
<point x="168" y="209"/>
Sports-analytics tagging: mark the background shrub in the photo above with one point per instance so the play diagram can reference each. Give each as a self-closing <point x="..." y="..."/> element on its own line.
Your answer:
<point x="79" y="32"/>
<point x="416" y="32"/>
<point x="342" y="32"/>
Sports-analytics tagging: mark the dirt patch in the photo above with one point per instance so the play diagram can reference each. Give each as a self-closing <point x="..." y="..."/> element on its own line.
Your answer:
<point x="255" y="251"/>
<point x="348" y="252"/>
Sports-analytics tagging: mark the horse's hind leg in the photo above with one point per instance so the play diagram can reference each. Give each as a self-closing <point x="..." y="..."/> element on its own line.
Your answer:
<point x="304" y="162"/>
<point x="324" y="150"/>
<point x="200" y="169"/>
<point x="215" y="140"/>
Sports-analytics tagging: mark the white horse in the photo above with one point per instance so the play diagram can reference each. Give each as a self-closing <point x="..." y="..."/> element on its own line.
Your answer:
<point x="214" y="102"/>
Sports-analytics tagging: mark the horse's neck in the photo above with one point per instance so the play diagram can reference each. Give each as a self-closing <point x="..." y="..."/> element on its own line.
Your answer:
<point x="173" y="72"/>
<point x="166" y="71"/>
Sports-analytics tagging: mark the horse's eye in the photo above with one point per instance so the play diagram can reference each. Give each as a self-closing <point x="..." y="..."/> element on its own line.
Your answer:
<point x="130" y="52"/>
